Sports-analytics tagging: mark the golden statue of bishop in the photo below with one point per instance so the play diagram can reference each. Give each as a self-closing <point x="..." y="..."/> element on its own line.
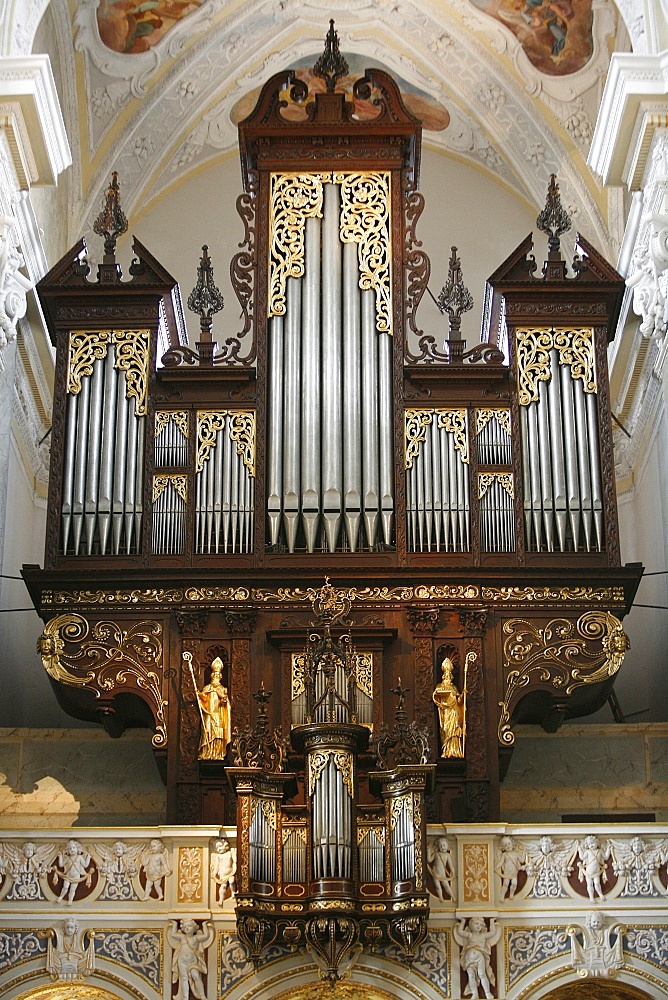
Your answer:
<point x="216" y="713"/>
<point x="451" y="705"/>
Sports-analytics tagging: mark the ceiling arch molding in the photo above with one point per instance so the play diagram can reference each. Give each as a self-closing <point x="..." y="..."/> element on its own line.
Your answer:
<point x="564" y="984"/>
<point x="183" y="123"/>
<point x="371" y="978"/>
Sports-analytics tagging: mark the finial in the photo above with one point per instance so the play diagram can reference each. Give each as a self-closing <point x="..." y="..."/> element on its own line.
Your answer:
<point x="554" y="221"/>
<point x="400" y="693"/>
<point x="455" y="297"/>
<point x="111" y="222"/>
<point x="205" y="298"/>
<point x="331" y="65"/>
<point x="261" y="699"/>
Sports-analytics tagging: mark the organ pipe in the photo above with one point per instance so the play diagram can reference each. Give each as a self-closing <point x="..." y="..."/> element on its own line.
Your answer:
<point x="561" y="474"/>
<point x="103" y="468"/>
<point x="330" y="468"/>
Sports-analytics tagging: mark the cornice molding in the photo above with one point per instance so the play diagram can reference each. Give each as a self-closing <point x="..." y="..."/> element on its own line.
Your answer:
<point x="30" y="114"/>
<point x="633" y="104"/>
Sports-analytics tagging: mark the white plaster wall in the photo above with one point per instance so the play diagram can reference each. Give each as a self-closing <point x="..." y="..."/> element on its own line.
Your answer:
<point x="643" y="518"/>
<point x="27" y="698"/>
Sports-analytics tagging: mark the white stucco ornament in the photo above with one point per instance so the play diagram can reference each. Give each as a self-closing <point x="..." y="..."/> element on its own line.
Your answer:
<point x="13" y="285"/>
<point x="597" y="948"/>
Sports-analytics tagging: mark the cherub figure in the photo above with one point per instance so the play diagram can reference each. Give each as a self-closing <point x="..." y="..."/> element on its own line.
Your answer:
<point x="441" y="868"/>
<point x="508" y="867"/>
<point x="223" y="868"/>
<point x="188" y="962"/>
<point x="68" y="958"/>
<point x="596" y="949"/>
<point x="548" y="865"/>
<point x="475" y="957"/>
<point x="26" y="865"/>
<point x="592" y="866"/>
<point x="73" y="866"/>
<point x="119" y="864"/>
<point x="155" y="864"/>
<point x="637" y="863"/>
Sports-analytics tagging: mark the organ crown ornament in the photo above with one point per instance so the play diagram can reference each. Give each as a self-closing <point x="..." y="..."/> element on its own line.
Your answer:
<point x="111" y="222"/>
<point x="331" y="65"/>
<point x="554" y="220"/>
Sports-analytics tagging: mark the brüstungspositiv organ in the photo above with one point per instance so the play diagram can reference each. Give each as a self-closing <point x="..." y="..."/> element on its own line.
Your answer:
<point x="460" y="500"/>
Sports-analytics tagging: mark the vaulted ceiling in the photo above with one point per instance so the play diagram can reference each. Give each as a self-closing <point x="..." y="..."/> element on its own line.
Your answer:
<point x="154" y="88"/>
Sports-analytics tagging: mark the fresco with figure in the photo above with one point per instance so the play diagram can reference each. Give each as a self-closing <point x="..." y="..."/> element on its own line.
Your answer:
<point x="555" y="34"/>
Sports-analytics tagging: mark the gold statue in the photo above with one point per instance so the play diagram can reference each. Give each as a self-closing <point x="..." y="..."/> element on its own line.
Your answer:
<point x="216" y="713"/>
<point x="451" y="705"/>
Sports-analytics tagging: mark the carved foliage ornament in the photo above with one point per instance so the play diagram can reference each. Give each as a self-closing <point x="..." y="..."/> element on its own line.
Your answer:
<point x="575" y="348"/>
<point x="241" y="431"/>
<point x="563" y="654"/>
<point x="108" y="659"/>
<point x="132" y="356"/>
<point x="365" y="220"/>
<point x="455" y="422"/>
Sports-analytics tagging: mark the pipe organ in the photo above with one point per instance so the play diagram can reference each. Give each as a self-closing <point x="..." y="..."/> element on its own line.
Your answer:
<point x="460" y="500"/>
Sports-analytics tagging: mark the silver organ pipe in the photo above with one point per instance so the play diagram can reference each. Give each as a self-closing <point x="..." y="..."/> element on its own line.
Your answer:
<point x="352" y="444"/>
<point x="275" y="431"/>
<point x="561" y="472"/>
<point x="332" y="444"/>
<point x="371" y="855"/>
<point x="169" y="514"/>
<point x="496" y="489"/>
<point x="437" y="484"/>
<point x="224" y="482"/>
<point x="103" y="458"/>
<point x="496" y="512"/>
<point x="330" y="473"/>
<point x="292" y="413"/>
<point x="294" y="854"/>
<point x="261" y="846"/>
<point x="332" y="823"/>
<point x="403" y="840"/>
<point x="312" y="375"/>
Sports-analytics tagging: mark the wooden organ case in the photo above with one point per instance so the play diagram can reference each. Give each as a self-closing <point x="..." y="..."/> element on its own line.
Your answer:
<point x="460" y="502"/>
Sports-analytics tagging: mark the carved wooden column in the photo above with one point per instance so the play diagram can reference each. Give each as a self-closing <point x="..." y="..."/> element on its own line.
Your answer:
<point x="183" y="803"/>
<point x="424" y="626"/>
<point x="473" y="625"/>
<point x="241" y="625"/>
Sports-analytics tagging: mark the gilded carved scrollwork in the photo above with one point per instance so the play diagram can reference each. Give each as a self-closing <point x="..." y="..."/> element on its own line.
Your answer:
<point x="241" y="431"/>
<point x="485" y="480"/>
<point x="483" y="417"/>
<point x="342" y="761"/>
<point x="564" y="654"/>
<point x="575" y="347"/>
<point x="178" y="483"/>
<point x="132" y="357"/>
<point x="294" y="198"/>
<point x="178" y="417"/>
<point x="107" y="657"/>
<point x="417" y="421"/>
<point x="365" y="220"/>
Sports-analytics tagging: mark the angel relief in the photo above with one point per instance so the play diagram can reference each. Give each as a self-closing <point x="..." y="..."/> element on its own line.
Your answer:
<point x="25" y="866"/>
<point x="556" y="35"/>
<point x="120" y="863"/>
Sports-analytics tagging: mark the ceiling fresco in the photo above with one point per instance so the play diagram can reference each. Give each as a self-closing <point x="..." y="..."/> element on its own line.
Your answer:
<point x="555" y="34"/>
